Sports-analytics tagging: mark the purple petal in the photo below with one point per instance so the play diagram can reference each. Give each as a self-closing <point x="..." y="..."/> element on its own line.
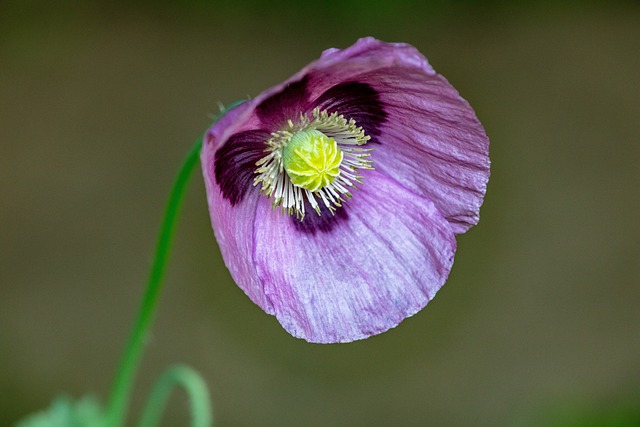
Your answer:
<point x="233" y="223"/>
<point x="381" y="264"/>
<point x="434" y="145"/>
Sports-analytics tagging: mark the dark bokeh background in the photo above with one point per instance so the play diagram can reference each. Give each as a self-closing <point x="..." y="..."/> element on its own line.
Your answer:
<point x="539" y="321"/>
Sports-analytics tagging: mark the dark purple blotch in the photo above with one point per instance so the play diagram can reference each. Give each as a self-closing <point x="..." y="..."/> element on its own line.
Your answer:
<point x="235" y="163"/>
<point x="357" y="101"/>
<point x="285" y="105"/>
<point x="323" y="223"/>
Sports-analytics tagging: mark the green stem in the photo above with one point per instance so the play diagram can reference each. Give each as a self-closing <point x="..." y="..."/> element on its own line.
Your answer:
<point x="196" y="389"/>
<point x="119" y="398"/>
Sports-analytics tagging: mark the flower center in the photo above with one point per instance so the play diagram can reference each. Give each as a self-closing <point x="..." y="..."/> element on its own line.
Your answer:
<point x="312" y="159"/>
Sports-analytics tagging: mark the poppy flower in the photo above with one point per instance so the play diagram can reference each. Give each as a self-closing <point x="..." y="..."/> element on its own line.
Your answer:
<point x="335" y="196"/>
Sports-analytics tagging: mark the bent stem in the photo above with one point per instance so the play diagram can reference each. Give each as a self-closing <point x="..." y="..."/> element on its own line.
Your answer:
<point x="119" y="398"/>
<point x="196" y="389"/>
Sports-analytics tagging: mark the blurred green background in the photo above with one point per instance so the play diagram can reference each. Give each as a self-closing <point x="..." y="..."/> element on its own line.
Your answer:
<point x="539" y="323"/>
